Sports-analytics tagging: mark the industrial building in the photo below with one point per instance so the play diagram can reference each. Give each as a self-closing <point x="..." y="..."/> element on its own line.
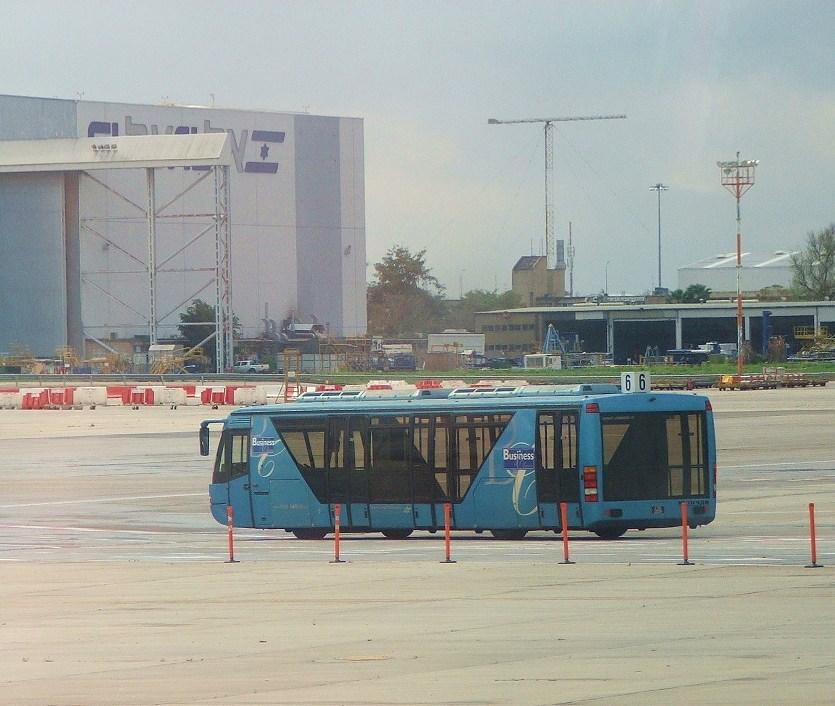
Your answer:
<point x="75" y="261"/>
<point x="624" y="332"/>
<point x="534" y="282"/>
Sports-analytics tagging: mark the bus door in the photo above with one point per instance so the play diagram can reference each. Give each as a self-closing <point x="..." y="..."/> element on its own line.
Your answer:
<point x="232" y="467"/>
<point x="430" y="465"/>
<point x="388" y="460"/>
<point x="557" y="469"/>
<point x="346" y="471"/>
<point x="266" y="496"/>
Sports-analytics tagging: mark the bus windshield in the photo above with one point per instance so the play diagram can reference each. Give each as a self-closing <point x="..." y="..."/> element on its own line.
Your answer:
<point x="654" y="455"/>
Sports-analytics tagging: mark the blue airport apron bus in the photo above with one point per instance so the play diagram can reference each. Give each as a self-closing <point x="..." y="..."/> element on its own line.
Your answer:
<point x="503" y="457"/>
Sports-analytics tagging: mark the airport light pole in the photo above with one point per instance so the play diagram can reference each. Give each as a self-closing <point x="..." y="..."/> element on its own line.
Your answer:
<point x="737" y="177"/>
<point x="659" y="187"/>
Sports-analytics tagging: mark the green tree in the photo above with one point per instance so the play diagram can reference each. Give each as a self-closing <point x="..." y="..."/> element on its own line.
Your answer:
<point x="694" y="294"/>
<point x="461" y="314"/>
<point x="197" y="323"/>
<point x="401" y="302"/>
<point x="813" y="270"/>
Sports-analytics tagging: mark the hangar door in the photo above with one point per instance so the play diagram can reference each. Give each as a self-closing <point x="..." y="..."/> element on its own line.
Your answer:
<point x="32" y="262"/>
<point x="633" y="337"/>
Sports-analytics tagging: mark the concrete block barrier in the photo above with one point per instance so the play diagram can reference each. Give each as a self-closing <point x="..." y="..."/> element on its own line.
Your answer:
<point x="171" y="395"/>
<point x="269" y="394"/>
<point x="244" y="396"/>
<point x="11" y="399"/>
<point x="90" y="396"/>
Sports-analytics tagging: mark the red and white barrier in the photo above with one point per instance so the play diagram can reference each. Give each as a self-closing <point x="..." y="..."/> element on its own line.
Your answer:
<point x="143" y="395"/>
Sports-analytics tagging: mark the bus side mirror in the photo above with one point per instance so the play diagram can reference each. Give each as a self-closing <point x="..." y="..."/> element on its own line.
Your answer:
<point x="204" y="441"/>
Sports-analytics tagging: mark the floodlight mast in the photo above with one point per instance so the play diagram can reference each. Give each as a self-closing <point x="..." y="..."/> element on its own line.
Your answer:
<point x="659" y="187"/>
<point x="737" y="177"/>
<point x="550" y="246"/>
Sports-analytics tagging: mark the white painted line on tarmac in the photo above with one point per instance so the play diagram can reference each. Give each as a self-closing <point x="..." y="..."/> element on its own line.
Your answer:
<point x="103" y="530"/>
<point x="781" y="464"/>
<point x="103" y="500"/>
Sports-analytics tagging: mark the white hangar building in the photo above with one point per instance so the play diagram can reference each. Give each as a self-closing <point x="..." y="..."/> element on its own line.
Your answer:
<point x="759" y="271"/>
<point x="74" y="254"/>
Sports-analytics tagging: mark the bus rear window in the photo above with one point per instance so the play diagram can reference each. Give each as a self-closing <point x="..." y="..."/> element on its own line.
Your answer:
<point x="659" y="455"/>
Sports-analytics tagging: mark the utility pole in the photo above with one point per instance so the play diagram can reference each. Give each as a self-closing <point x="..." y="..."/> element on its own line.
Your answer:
<point x="550" y="246"/>
<point x="570" y="258"/>
<point x="659" y="187"/>
<point x="737" y="177"/>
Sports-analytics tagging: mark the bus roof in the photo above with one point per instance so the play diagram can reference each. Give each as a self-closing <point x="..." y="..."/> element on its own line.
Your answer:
<point x="471" y="399"/>
<point x="475" y="391"/>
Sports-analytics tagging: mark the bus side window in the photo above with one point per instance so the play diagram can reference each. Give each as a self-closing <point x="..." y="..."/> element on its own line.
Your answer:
<point x="221" y="471"/>
<point x="474" y="437"/>
<point x="557" y="479"/>
<point x="239" y="454"/>
<point x="429" y="459"/>
<point x="232" y="460"/>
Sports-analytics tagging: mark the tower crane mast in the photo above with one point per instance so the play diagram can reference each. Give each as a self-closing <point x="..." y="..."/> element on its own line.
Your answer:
<point x="550" y="245"/>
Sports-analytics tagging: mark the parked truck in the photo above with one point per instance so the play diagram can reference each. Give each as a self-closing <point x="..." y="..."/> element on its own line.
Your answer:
<point x="251" y="366"/>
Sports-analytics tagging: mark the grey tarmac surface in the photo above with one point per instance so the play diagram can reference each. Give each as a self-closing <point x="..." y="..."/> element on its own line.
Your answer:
<point x="115" y="588"/>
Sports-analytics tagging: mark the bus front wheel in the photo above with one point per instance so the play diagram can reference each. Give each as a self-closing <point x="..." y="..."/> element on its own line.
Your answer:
<point x="309" y="533"/>
<point x="509" y="533"/>
<point x="610" y="532"/>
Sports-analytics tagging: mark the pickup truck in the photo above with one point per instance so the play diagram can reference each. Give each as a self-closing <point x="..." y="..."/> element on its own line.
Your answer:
<point x="251" y="366"/>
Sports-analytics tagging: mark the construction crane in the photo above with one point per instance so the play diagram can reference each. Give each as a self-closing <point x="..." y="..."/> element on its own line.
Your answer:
<point x="550" y="245"/>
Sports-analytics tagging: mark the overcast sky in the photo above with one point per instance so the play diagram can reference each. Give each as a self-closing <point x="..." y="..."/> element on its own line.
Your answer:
<point x="698" y="81"/>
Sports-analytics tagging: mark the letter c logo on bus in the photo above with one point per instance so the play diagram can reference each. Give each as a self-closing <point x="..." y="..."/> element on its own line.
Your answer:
<point x="519" y="463"/>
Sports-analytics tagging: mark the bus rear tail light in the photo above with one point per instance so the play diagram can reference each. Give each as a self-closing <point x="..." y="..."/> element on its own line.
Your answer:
<point x="592" y="408"/>
<point x="590" y="484"/>
<point x="708" y="406"/>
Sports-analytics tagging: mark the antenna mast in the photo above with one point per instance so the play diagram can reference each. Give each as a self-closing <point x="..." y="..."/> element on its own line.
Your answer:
<point x="550" y="246"/>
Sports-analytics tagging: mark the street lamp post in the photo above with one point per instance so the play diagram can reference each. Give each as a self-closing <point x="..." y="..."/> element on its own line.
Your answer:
<point x="606" y="280"/>
<point x="737" y="177"/>
<point x="659" y="187"/>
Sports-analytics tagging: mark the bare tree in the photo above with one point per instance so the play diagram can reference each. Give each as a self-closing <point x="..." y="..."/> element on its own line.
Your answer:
<point x="814" y="269"/>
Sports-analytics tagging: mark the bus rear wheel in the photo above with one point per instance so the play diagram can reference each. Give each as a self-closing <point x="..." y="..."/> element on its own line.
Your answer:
<point x="610" y="532"/>
<point x="309" y="533"/>
<point x="509" y="534"/>
<point x="396" y="533"/>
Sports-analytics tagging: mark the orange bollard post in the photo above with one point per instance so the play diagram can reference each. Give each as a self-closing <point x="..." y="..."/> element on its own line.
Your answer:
<point x="447" y="523"/>
<point x="564" y="523"/>
<point x="814" y="564"/>
<point x="684" y="551"/>
<point x="230" y="513"/>
<point x="336" y="559"/>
